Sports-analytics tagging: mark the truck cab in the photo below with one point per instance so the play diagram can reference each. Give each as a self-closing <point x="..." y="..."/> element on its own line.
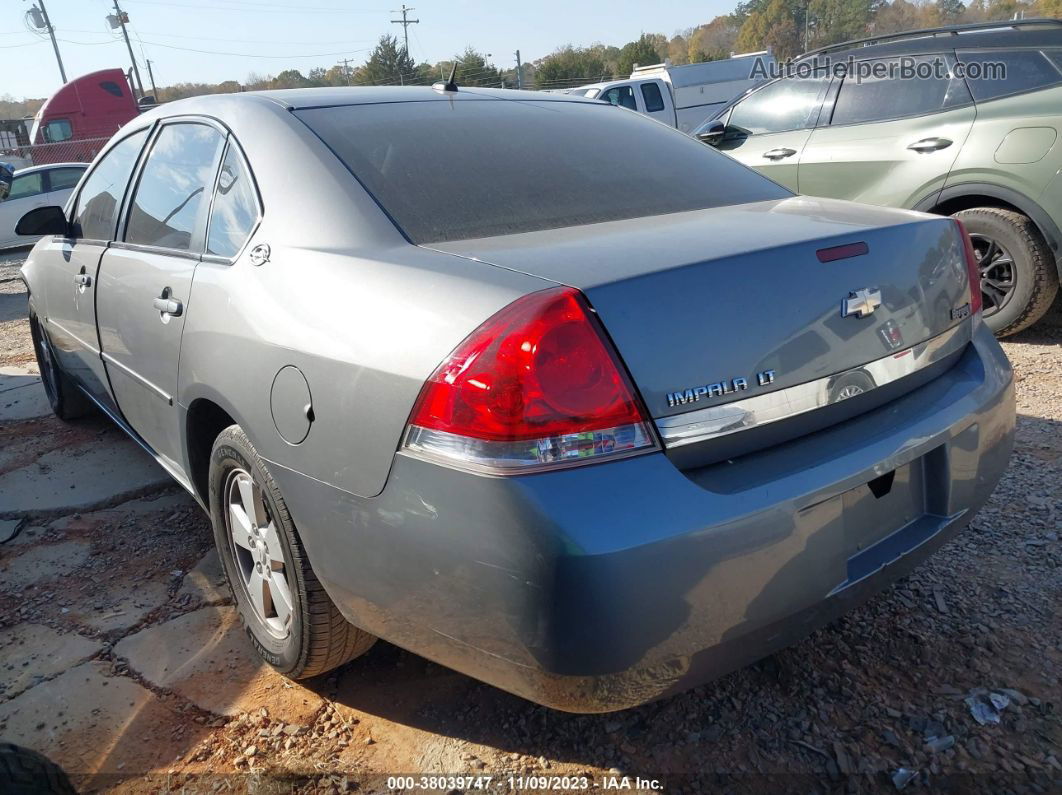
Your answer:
<point x="78" y="119"/>
<point x="683" y="96"/>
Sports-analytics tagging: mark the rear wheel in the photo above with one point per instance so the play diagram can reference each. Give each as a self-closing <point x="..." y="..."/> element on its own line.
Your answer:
<point x="1018" y="274"/>
<point x="26" y="772"/>
<point x="66" y="400"/>
<point x="291" y="621"/>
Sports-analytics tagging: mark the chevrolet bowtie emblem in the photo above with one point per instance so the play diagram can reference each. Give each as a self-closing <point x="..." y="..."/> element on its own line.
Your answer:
<point x="861" y="302"/>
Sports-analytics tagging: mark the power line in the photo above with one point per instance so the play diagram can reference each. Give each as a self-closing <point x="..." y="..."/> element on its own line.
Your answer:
<point x="254" y="55"/>
<point x="242" y="9"/>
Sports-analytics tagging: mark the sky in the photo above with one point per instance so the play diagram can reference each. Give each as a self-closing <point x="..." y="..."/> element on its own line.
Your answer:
<point x="215" y="40"/>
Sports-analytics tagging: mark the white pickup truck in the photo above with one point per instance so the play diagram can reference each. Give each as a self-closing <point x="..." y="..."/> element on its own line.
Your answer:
<point x="683" y="96"/>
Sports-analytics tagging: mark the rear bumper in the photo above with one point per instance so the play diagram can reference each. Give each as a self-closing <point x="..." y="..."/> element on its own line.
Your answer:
<point x="603" y="587"/>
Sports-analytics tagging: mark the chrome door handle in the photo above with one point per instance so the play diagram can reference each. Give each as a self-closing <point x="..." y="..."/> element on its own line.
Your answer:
<point x="168" y="306"/>
<point x="780" y="153"/>
<point x="930" y="145"/>
<point x="83" y="280"/>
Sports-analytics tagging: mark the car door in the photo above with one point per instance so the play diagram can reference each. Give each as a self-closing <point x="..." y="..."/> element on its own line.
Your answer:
<point x="27" y="192"/>
<point x="70" y="265"/>
<point x="146" y="278"/>
<point x="891" y="136"/>
<point x="769" y="128"/>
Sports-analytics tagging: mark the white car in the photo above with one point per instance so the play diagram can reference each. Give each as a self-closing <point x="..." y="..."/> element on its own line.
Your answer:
<point x="36" y="186"/>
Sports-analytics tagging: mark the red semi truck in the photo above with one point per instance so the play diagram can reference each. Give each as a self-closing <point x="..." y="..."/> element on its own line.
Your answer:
<point x="76" y="121"/>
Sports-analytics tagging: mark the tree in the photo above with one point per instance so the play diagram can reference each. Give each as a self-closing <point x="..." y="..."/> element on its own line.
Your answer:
<point x="678" y="50"/>
<point x="713" y="41"/>
<point x="895" y="17"/>
<point x="388" y="64"/>
<point x="641" y="52"/>
<point x="838" y="20"/>
<point x="950" y="10"/>
<point x="569" y="66"/>
<point x="290" y="78"/>
<point x="473" y="69"/>
<point x="772" y="27"/>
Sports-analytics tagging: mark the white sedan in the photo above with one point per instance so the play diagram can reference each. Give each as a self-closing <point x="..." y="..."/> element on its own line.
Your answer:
<point x="36" y="186"/>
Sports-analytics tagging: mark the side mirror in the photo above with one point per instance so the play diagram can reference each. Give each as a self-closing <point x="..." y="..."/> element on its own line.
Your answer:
<point x="6" y="178"/>
<point x="43" y="221"/>
<point x="711" y="133"/>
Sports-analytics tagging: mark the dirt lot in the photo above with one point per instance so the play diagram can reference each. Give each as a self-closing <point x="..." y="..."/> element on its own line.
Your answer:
<point x="119" y="657"/>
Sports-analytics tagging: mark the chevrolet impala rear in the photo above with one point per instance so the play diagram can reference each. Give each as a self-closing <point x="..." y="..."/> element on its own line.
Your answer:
<point x="558" y="397"/>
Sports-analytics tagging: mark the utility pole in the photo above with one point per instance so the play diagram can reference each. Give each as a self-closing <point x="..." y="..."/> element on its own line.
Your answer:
<point x="519" y="71"/>
<point x="807" y="24"/>
<point x="151" y="77"/>
<point x="51" y="32"/>
<point x="405" y="23"/>
<point x="346" y="69"/>
<point x="121" y="17"/>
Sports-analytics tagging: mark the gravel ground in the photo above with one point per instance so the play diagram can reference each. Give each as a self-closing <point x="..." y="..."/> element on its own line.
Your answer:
<point x="882" y="699"/>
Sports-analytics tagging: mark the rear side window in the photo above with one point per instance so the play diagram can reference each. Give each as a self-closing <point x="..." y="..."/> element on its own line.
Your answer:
<point x="235" y="208"/>
<point x="458" y="169"/>
<point x="64" y="178"/>
<point x="789" y="104"/>
<point x="996" y="73"/>
<point x="26" y="185"/>
<point x="169" y="206"/>
<point x="111" y="88"/>
<point x="97" y="204"/>
<point x="620" y="95"/>
<point x="883" y="92"/>
<point x="651" y="95"/>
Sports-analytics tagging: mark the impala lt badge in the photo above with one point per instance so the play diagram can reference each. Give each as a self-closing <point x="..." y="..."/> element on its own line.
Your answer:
<point x="718" y="389"/>
<point x="861" y="302"/>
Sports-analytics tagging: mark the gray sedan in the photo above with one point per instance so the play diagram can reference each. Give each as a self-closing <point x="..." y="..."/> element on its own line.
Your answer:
<point x="527" y="384"/>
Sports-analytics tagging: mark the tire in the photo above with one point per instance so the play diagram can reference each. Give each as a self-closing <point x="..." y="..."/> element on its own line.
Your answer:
<point x="67" y="401"/>
<point x="26" y="772"/>
<point x="294" y="626"/>
<point x="1024" y="257"/>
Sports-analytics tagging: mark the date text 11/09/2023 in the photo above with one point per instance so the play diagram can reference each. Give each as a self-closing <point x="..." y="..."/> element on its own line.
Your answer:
<point x="619" y="783"/>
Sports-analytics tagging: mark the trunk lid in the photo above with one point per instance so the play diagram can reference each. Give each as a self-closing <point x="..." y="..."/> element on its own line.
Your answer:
<point x="707" y="297"/>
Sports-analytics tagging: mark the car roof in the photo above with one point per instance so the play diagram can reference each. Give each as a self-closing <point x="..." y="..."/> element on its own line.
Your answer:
<point x="48" y="167"/>
<point x="980" y="38"/>
<point x="303" y="98"/>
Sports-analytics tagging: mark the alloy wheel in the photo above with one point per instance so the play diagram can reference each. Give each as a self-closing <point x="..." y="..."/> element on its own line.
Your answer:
<point x="997" y="271"/>
<point x="849" y="391"/>
<point x="258" y="553"/>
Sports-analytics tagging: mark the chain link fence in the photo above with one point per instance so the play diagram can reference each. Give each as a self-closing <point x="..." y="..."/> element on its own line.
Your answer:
<point x="79" y="151"/>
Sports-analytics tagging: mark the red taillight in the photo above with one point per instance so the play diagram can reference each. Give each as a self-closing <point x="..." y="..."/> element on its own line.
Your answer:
<point x="971" y="268"/>
<point x="537" y="384"/>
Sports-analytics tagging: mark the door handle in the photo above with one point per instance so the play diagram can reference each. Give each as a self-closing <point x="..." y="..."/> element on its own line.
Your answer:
<point x="779" y="154"/>
<point x="168" y="306"/>
<point x="927" y="145"/>
<point x="83" y="280"/>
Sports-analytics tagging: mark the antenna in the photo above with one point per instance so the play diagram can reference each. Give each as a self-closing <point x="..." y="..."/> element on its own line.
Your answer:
<point x="449" y="85"/>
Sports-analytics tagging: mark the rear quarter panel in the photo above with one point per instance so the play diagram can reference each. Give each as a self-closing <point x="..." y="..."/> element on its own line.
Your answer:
<point x="1027" y="168"/>
<point x="364" y="315"/>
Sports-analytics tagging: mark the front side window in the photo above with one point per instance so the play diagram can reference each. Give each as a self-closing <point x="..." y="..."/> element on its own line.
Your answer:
<point x="654" y="101"/>
<point x="58" y="130"/>
<point x="97" y="205"/>
<point x="235" y="208"/>
<point x="787" y="104"/>
<point x="64" y="178"/>
<point x="620" y="95"/>
<point x="891" y="89"/>
<point x="169" y="205"/>
<point x="996" y="73"/>
<point x="27" y="185"/>
<point x="483" y="167"/>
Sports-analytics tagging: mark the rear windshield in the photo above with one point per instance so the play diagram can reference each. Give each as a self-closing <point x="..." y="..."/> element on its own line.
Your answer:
<point x="453" y="170"/>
